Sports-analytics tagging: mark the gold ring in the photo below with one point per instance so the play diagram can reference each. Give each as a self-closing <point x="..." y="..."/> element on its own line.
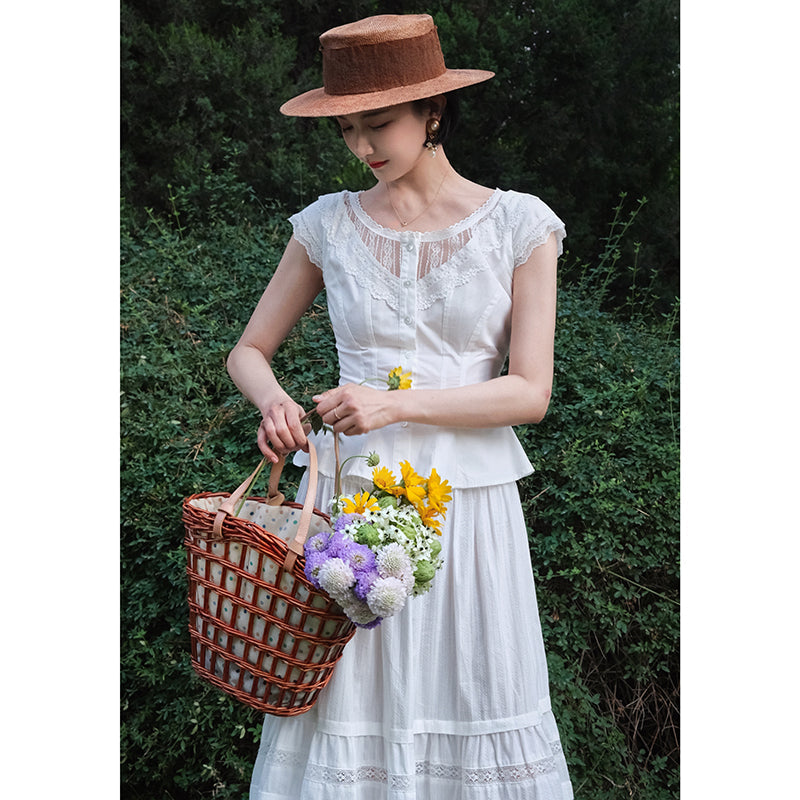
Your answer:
<point x="335" y="414"/>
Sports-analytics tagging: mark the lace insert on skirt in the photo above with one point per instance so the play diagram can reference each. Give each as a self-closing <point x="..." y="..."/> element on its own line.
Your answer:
<point x="462" y="776"/>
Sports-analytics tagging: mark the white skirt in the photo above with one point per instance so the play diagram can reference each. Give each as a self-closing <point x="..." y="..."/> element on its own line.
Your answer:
<point x="448" y="699"/>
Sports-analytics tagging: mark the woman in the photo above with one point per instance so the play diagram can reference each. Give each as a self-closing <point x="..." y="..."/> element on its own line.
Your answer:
<point x="448" y="699"/>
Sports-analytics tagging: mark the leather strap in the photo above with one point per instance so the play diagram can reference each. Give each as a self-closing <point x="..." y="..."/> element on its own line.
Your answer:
<point x="296" y="544"/>
<point x="276" y="498"/>
<point x="229" y="506"/>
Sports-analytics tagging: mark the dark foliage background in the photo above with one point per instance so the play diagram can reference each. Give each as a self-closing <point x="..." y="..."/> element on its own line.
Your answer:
<point x="584" y="105"/>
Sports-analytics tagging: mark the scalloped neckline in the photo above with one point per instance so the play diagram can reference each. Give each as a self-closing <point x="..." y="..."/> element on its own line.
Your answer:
<point x="443" y="233"/>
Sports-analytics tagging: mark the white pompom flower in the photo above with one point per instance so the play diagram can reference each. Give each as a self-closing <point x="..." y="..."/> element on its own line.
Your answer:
<point x="360" y="613"/>
<point x="387" y="596"/>
<point x="406" y="577"/>
<point x="393" y="561"/>
<point x="336" y="577"/>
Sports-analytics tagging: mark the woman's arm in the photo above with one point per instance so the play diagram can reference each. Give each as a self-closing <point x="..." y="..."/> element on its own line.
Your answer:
<point x="291" y="291"/>
<point x="520" y="396"/>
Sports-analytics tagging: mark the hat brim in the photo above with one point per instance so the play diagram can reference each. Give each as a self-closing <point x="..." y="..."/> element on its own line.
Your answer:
<point x="317" y="103"/>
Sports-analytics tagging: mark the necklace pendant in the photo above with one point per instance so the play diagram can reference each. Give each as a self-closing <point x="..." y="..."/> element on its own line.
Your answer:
<point x="413" y="219"/>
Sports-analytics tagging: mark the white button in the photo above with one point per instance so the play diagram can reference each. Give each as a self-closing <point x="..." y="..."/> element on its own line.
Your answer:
<point x="408" y="321"/>
<point x="404" y="424"/>
<point x="406" y="283"/>
<point x="408" y="354"/>
<point x="410" y="247"/>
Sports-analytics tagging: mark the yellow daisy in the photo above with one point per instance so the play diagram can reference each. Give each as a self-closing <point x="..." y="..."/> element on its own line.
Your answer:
<point x="385" y="481"/>
<point x="399" y="379"/>
<point x="413" y="484"/>
<point x="439" y="492"/>
<point x="428" y="515"/>
<point x="361" y="502"/>
<point x="416" y="496"/>
<point x="410" y="476"/>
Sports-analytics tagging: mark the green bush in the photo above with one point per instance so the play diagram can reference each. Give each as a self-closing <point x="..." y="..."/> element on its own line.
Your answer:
<point x="185" y="429"/>
<point x="603" y="510"/>
<point x="602" y="505"/>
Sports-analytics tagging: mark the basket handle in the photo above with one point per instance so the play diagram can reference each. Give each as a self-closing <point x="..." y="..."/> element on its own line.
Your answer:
<point x="276" y="498"/>
<point x="296" y="544"/>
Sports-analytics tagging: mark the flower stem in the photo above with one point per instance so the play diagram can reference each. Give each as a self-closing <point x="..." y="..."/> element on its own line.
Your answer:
<point x="338" y="485"/>
<point x="249" y="487"/>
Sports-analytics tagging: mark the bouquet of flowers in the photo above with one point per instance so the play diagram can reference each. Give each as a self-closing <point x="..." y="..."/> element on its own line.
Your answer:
<point x="383" y="547"/>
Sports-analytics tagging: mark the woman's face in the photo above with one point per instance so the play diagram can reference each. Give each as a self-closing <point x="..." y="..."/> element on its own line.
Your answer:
<point x="390" y="140"/>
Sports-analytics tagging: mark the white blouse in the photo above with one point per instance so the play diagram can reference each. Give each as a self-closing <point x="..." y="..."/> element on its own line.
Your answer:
<point x="439" y="305"/>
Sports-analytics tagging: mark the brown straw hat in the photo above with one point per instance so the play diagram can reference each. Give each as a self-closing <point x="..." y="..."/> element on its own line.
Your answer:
<point x="378" y="62"/>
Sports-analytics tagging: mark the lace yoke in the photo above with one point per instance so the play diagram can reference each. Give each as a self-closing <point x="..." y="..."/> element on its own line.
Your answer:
<point x="444" y="260"/>
<point x="384" y="244"/>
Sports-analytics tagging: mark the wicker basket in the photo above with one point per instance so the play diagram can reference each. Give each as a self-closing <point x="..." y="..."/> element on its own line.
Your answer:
<point x="260" y="630"/>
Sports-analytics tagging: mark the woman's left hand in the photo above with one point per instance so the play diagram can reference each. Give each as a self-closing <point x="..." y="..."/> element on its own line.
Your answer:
<point x="353" y="409"/>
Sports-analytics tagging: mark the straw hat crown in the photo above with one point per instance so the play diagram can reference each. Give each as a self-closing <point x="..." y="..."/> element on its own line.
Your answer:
<point x="378" y="62"/>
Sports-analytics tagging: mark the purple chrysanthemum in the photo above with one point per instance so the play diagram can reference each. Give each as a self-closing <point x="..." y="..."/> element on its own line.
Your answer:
<point x="361" y="558"/>
<point x="318" y="542"/>
<point x="314" y="561"/>
<point x="339" y="546"/>
<point x="364" y="583"/>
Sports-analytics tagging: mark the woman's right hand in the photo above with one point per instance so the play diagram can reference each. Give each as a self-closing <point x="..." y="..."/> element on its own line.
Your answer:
<point x="281" y="431"/>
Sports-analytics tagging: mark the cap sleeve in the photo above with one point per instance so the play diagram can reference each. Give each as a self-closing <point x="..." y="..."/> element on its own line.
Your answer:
<point x="533" y="222"/>
<point x="310" y="225"/>
<point x="307" y="229"/>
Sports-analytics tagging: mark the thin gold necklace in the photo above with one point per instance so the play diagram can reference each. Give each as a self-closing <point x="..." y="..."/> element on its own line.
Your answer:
<point x="400" y="219"/>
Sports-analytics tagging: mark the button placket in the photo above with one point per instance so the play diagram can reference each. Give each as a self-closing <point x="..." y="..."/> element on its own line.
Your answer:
<point x="407" y="343"/>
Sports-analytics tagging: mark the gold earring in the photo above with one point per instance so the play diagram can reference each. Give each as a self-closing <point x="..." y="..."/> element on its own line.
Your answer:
<point x="432" y="129"/>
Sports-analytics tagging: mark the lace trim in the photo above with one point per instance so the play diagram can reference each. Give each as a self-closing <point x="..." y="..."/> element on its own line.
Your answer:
<point x="457" y="271"/>
<point x="447" y="260"/>
<point x="537" y="237"/>
<point x="305" y="234"/>
<point x="351" y="777"/>
<point x="530" y="232"/>
<point x="463" y="776"/>
<point x="427" y="236"/>
<point x="516" y="773"/>
<point x="284" y="758"/>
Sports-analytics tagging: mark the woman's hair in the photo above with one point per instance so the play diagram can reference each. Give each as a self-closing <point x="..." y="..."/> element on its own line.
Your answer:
<point x="449" y="119"/>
